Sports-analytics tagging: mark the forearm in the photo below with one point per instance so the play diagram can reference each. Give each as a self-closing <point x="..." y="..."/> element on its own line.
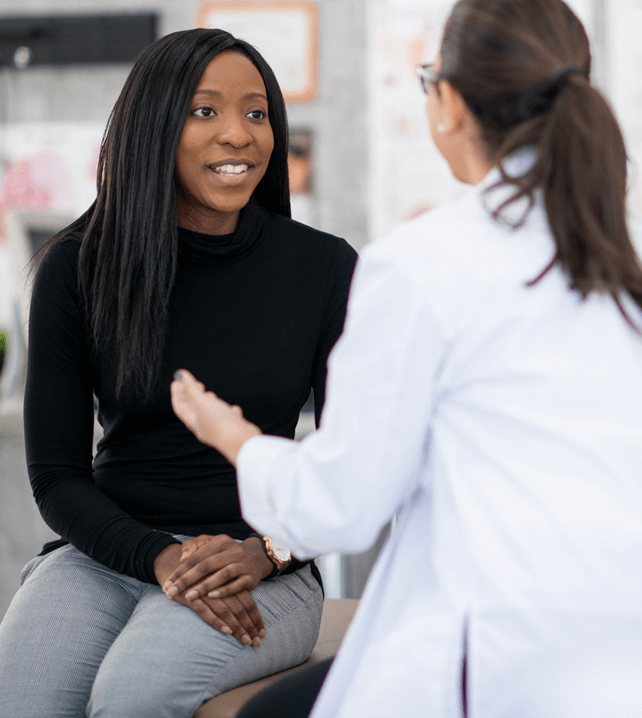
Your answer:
<point x="80" y="513"/>
<point x="231" y="442"/>
<point x="59" y="424"/>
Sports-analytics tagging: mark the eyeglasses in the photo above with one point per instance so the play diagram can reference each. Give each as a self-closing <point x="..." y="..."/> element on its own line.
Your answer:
<point x="427" y="76"/>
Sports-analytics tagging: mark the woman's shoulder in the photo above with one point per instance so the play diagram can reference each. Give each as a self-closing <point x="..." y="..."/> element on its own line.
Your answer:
<point x="446" y="234"/>
<point x="309" y="239"/>
<point x="464" y="233"/>
<point x="457" y="256"/>
<point x="63" y="248"/>
<point x="58" y="263"/>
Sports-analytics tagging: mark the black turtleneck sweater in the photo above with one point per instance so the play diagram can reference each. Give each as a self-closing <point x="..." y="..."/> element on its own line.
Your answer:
<point x="253" y="315"/>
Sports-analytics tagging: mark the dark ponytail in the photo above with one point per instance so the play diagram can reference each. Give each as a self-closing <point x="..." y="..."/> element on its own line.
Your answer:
<point x="523" y="67"/>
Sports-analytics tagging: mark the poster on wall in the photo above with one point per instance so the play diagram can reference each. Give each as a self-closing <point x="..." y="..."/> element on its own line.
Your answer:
<point x="285" y="33"/>
<point x="408" y="175"/>
<point x="48" y="166"/>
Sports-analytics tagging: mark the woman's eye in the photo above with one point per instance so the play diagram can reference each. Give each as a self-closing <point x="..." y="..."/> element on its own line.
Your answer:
<point x="203" y="112"/>
<point x="257" y="114"/>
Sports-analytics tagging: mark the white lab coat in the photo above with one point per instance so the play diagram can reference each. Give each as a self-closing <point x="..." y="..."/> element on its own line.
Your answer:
<point x="502" y="424"/>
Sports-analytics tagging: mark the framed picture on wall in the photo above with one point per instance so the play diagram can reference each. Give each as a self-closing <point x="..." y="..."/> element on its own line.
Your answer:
<point x="301" y="175"/>
<point x="285" y="33"/>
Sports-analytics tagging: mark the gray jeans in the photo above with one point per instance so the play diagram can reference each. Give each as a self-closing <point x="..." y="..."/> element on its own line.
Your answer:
<point x="80" y="639"/>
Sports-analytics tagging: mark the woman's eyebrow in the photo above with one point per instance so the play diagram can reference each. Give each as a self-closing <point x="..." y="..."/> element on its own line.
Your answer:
<point x="216" y="93"/>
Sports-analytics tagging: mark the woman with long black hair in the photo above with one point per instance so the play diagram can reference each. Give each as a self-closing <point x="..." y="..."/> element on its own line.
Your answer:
<point x="487" y="391"/>
<point x="187" y="256"/>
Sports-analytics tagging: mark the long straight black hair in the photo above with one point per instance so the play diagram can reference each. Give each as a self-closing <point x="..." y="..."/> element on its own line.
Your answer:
<point x="128" y="237"/>
<point x="523" y="68"/>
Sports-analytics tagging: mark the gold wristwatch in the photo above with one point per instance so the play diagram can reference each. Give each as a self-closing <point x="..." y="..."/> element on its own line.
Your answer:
<point x="279" y="555"/>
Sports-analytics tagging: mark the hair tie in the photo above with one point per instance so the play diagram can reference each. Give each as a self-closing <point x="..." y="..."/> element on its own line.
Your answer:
<point x="510" y="108"/>
<point x="559" y="79"/>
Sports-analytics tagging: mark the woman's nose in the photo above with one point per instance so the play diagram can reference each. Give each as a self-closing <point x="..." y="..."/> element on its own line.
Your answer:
<point x="234" y="132"/>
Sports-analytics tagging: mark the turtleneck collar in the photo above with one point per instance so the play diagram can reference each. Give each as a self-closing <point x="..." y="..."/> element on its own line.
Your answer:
<point x="216" y="248"/>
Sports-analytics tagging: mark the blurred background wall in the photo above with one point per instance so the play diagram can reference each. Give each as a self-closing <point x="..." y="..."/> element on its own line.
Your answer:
<point x="361" y="159"/>
<point x="407" y="176"/>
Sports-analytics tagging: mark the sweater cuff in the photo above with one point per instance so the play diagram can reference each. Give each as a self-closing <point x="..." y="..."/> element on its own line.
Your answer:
<point x="160" y="540"/>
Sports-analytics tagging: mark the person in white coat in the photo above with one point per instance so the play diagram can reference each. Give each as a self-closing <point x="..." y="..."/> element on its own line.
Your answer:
<point x="487" y="391"/>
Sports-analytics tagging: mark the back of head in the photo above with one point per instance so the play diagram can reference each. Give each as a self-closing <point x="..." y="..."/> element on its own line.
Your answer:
<point x="523" y="68"/>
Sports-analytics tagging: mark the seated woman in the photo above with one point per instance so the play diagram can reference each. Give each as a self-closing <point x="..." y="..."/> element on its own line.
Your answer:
<point x="187" y="256"/>
<point x="488" y="392"/>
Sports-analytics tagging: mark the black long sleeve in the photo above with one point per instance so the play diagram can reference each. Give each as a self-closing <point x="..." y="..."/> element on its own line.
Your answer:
<point x="254" y="315"/>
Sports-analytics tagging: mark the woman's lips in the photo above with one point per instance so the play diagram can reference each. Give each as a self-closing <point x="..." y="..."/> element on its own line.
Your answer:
<point x="232" y="172"/>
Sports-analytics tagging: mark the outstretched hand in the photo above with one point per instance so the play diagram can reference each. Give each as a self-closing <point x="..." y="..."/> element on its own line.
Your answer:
<point x="212" y="420"/>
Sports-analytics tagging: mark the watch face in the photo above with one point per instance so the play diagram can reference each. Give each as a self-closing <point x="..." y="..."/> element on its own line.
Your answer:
<point x="281" y="553"/>
<point x="278" y="554"/>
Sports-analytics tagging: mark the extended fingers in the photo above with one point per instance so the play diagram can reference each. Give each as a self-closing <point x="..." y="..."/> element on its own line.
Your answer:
<point x="183" y="390"/>
<point x="241" y="616"/>
<point x="248" y="615"/>
<point x="222" y="621"/>
<point x="231" y="619"/>
<point x="185" y="576"/>
<point x="218" y="560"/>
<point x="231" y="588"/>
<point x="228" y="581"/>
<point x="187" y="389"/>
<point x="250" y="606"/>
<point x="188" y="383"/>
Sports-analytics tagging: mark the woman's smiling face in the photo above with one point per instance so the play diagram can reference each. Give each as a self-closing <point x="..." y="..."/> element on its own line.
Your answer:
<point x="225" y="145"/>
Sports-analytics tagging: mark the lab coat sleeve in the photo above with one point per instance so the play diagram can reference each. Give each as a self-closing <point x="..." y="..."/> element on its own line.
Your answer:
<point x="335" y="490"/>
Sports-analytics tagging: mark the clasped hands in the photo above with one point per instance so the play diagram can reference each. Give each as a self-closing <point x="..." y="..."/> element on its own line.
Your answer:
<point x="214" y="577"/>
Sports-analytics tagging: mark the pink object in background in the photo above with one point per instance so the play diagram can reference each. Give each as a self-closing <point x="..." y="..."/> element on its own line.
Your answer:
<point x="37" y="182"/>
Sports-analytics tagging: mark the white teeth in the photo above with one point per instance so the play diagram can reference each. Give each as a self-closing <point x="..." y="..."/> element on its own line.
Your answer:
<point x="231" y="169"/>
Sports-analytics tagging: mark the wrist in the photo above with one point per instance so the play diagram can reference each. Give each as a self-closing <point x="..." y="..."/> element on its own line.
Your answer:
<point x="254" y="545"/>
<point x="166" y="562"/>
<point x="279" y="556"/>
<point x="233" y="440"/>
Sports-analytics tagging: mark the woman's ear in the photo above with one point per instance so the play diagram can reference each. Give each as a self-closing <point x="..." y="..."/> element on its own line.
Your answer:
<point x="456" y="134"/>
<point x="454" y="111"/>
